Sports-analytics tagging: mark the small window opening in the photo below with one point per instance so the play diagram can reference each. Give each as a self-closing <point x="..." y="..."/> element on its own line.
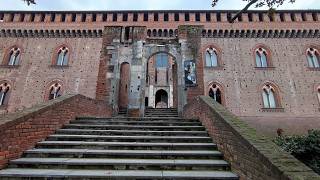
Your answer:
<point x="115" y="17"/>
<point x="125" y="17"/>
<point x="145" y="16"/>
<point x="197" y="16"/>
<point x="176" y="16"/>
<point x="156" y="17"/>
<point x="135" y="17"/>
<point x="208" y="17"/>
<point x="187" y="17"/>
<point x="166" y="17"/>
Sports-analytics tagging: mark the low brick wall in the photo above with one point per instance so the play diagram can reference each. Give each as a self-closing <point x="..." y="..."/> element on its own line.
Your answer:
<point x="22" y="130"/>
<point x="251" y="156"/>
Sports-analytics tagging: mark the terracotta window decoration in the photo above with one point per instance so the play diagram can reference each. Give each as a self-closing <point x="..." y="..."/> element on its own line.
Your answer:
<point x="63" y="55"/>
<point x="313" y="58"/>
<point x="216" y="93"/>
<point x="261" y="58"/>
<point x="55" y="91"/>
<point x="4" y="90"/>
<point x="269" y="97"/>
<point x="162" y="60"/>
<point x="14" y="56"/>
<point x="211" y="57"/>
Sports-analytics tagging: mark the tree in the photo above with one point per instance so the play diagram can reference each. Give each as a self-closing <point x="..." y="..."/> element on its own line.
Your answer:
<point x="271" y="4"/>
<point x="30" y="1"/>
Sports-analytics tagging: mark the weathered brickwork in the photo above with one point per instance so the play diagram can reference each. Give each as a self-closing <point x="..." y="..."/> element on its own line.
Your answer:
<point x="22" y="130"/>
<point x="35" y="73"/>
<point x="251" y="156"/>
<point x="99" y="42"/>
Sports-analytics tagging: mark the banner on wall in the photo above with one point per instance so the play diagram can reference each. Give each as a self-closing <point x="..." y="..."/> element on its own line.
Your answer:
<point x="190" y="75"/>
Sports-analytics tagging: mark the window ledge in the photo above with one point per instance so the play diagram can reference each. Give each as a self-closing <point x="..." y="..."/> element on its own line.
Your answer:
<point x="10" y="66"/>
<point x="58" y="66"/>
<point x="313" y="69"/>
<point x="273" y="109"/>
<point x="265" y="68"/>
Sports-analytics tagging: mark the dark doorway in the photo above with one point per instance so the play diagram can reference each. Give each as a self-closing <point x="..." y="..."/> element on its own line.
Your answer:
<point x="124" y="84"/>
<point x="161" y="99"/>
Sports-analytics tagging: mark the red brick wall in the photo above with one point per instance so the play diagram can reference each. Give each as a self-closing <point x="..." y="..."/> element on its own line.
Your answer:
<point x="251" y="156"/>
<point x="22" y="130"/>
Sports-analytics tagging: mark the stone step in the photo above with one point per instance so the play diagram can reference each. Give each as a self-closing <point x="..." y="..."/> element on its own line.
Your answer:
<point x="125" y="145"/>
<point x="131" y="132"/>
<point x="132" y="127"/>
<point x="116" y="174"/>
<point x="174" y="119"/>
<point x="155" y="123"/>
<point x="119" y="164"/>
<point x="67" y="137"/>
<point x="154" y="154"/>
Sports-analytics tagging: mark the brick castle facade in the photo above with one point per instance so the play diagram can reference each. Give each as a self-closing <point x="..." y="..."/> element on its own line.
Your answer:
<point x="264" y="67"/>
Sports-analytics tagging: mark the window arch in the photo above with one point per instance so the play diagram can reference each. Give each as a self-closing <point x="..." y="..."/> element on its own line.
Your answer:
<point x="313" y="58"/>
<point x="13" y="57"/>
<point x="62" y="57"/>
<point x="215" y="92"/>
<point x="270" y="96"/>
<point x="4" y="93"/>
<point x="261" y="56"/>
<point x="55" y="91"/>
<point x="211" y="57"/>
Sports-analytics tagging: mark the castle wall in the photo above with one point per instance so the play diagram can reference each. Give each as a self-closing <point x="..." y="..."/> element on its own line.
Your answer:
<point x="30" y="80"/>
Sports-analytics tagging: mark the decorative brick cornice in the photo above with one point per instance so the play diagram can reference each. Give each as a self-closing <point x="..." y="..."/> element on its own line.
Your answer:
<point x="259" y="33"/>
<point x="50" y="33"/>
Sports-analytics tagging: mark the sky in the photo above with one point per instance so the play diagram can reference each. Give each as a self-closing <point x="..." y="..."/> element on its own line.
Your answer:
<point x="141" y="5"/>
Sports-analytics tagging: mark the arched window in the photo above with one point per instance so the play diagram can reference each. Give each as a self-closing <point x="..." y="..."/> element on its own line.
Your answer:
<point x="62" y="57"/>
<point x="215" y="93"/>
<point x="14" y="56"/>
<point x="55" y="91"/>
<point x="211" y="57"/>
<point x="4" y="90"/>
<point x="269" y="95"/>
<point x="261" y="58"/>
<point x="313" y="58"/>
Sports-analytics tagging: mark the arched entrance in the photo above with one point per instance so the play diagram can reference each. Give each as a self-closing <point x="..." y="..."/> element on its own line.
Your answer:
<point x="124" y="85"/>
<point x="161" y="99"/>
<point x="161" y="81"/>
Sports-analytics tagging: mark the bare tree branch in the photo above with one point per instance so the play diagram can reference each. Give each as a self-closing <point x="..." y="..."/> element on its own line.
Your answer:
<point x="30" y="2"/>
<point x="243" y="10"/>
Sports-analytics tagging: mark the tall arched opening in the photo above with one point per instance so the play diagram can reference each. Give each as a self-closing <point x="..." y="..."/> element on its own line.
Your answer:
<point x="124" y="85"/>
<point x="161" y="76"/>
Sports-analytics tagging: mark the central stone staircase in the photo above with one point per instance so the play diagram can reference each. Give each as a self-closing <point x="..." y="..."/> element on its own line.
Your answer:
<point x="159" y="146"/>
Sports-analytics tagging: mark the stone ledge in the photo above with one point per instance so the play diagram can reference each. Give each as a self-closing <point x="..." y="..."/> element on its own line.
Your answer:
<point x="251" y="155"/>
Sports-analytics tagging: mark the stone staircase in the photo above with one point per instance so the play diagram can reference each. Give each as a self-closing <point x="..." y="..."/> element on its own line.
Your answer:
<point x="159" y="146"/>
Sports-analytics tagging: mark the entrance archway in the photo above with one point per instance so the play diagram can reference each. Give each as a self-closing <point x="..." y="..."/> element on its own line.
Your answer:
<point x="161" y="74"/>
<point x="124" y="85"/>
<point x="161" y="99"/>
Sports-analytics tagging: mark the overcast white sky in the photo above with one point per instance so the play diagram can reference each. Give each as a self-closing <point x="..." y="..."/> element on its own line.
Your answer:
<point x="140" y="4"/>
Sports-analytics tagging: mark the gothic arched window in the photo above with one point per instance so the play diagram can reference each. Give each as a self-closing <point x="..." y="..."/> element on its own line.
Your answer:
<point x="215" y="92"/>
<point x="14" y="57"/>
<point x="269" y="95"/>
<point x="211" y="57"/>
<point x="4" y="90"/>
<point x="313" y="58"/>
<point x="62" y="57"/>
<point x="261" y="58"/>
<point x="55" y="91"/>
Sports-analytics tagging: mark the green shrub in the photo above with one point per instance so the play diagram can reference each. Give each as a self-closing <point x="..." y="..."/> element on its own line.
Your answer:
<point x="305" y="148"/>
